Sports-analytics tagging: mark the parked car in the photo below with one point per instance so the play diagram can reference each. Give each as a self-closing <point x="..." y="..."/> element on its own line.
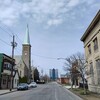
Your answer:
<point x="32" y="85"/>
<point x="22" y="86"/>
<point x="40" y="82"/>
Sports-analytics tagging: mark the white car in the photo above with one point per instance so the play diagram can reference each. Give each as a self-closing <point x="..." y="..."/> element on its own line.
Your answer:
<point x="32" y="85"/>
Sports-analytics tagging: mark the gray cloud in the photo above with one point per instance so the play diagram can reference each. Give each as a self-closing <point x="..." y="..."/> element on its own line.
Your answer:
<point x="51" y="12"/>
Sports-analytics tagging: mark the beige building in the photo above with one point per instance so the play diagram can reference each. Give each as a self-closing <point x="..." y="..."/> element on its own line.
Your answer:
<point x="91" y="39"/>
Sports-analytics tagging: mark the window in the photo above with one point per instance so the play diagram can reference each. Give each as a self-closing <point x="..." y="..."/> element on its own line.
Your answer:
<point x="98" y="69"/>
<point x="89" y="49"/>
<point x="7" y="66"/>
<point x="91" y="68"/>
<point x="20" y="65"/>
<point x="20" y="73"/>
<point x="92" y="72"/>
<point x="4" y="81"/>
<point x="95" y="41"/>
<point x="15" y="81"/>
<point x="10" y="66"/>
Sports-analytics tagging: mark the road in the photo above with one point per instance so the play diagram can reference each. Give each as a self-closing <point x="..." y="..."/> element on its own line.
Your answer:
<point x="50" y="91"/>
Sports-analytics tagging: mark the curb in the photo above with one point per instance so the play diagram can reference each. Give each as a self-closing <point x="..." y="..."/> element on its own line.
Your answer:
<point x="78" y="95"/>
<point x="75" y="93"/>
<point x="8" y="92"/>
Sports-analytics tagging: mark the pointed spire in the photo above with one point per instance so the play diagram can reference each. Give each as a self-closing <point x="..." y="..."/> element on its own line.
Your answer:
<point x="27" y="38"/>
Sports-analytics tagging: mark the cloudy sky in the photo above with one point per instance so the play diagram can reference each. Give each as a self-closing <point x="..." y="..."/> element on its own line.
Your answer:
<point x="55" y="26"/>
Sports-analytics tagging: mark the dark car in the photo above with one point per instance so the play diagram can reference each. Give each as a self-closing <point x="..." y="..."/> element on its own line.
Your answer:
<point x="22" y="86"/>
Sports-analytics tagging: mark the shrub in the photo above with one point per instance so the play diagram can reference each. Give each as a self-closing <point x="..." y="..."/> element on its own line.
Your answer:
<point x="23" y="79"/>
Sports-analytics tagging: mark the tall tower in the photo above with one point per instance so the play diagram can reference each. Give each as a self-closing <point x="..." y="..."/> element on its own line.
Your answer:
<point x="26" y="53"/>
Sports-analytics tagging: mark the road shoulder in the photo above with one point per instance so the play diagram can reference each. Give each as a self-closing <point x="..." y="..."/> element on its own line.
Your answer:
<point x="2" y="92"/>
<point x="90" y="96"/>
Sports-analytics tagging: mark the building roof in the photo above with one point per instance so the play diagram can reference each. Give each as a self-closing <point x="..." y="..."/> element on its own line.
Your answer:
<point x="27" y="38"/>
<point x="91" y="26"/>
<point x="6" y="56"/>
<point x="17" y="58"/>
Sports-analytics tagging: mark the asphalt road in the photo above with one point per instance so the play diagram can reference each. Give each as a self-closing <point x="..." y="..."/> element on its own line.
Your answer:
<point x="51" y="91"/>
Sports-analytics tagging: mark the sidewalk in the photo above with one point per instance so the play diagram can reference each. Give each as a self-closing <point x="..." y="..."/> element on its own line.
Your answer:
<point x="69" y="87"/>
<point x="90" y="96"/>
<point x="6" y="91"/>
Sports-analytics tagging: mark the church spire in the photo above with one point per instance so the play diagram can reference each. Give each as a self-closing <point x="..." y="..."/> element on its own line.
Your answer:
<point x="27" y="38"/>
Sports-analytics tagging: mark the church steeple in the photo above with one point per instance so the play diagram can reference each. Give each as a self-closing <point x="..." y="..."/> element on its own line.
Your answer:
<point x="27" y="38"/>
<point x="26" y="54"/>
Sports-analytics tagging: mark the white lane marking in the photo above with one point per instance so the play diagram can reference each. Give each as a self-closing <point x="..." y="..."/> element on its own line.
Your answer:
<point x="56" y="95"/>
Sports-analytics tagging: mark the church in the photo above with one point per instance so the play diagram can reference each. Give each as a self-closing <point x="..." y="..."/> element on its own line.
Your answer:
<point x="23" y="62"/>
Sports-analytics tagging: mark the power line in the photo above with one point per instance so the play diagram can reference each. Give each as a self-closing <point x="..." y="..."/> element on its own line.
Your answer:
<point x="5" y="42"/>
<point x="20" y="41"/>
<point x="10" y="30"/>
<point x="18" y="51"/>
<point x="45" y="57"/>
<point x="5" y="31"/>
<point x="7" y="28"/>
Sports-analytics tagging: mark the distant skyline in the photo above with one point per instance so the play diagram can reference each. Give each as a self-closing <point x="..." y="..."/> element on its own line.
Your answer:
<point x="55" y="28"/>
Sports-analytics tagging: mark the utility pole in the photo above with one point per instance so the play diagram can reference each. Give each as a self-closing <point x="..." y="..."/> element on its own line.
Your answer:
<point x="13" y="44"/>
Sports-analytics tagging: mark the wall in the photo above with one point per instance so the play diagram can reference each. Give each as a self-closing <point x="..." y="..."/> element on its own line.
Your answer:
<point x="92" y="57"/>
<point x="65" y="80"/>
<point x="16" y="80"/>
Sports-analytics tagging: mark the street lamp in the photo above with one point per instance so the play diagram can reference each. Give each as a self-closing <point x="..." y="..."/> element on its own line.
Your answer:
<point x="61" y="58"/>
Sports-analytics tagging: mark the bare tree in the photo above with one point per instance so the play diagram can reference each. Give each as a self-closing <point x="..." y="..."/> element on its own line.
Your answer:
<point x="72" y="69"/>
<point x="81" y="67"/>
<point x="76" y="65"/>
<point x="46" y="78"/>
